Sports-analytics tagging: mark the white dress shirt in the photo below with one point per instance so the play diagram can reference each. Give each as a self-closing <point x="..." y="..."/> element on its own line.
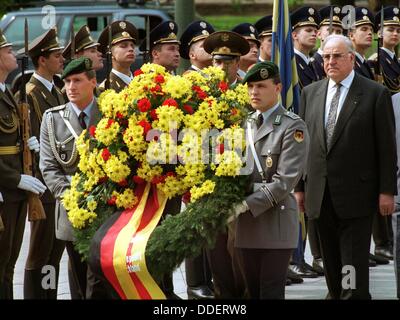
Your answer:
<point x="344" y="89"/>
<point x="48" y="84"/>
<point x="303" y="56"/>
<point x="124" y="77"/>
<point x="390" y="53"/>
<point x="2" y="87"/>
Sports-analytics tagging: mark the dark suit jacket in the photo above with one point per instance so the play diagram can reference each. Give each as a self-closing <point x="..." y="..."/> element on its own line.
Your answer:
<point x="116" y="83"/>
<point x="305" y="72"/>
<point x="317" y="64"/>
<point x="361" y="162"/>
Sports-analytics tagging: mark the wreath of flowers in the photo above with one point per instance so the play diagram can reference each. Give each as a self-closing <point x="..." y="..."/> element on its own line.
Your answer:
<point x="157" y="130"/>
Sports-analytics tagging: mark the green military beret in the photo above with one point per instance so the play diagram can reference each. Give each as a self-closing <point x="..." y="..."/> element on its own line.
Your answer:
<point x="79" y="65"/>
<point x="261" y="71"/>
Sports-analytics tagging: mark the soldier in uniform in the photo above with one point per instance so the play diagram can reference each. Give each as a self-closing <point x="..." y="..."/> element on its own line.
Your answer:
<point x="389" y="65"/>
<point x="198" y="273"/>
<point x="267" y="226"/>
<point x="361" y="37"/>
<point x="60" y="127"/>
<point x="87" y="47"/>
<point x="305" y="27"/>
<point x="42" y="94"/>
<point x="324" y="31"/>
<point x="164" y="45"/>
<point x="226" y="48"/>
<point x="13" y="182"/>
<point x="264" y="29"/>
<point x="123" y="42"/>
<point x="249" y="32"/>
<point x="192" y="48"/>
<point x="305" y="22"/>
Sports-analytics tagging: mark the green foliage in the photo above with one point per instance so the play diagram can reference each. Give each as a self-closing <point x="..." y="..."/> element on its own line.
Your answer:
<point x="296" y="3"/>
<point x="187" y="233"/>
<point x="228" y="22"/>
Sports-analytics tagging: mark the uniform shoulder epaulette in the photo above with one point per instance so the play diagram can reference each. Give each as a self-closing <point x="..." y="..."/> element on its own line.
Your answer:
<point x="60" y="107"/>
<point x="29" y="87"/>
<point x="312" y="59"/>
<point x="373" y="57"/>
<point x="291" y="115"/>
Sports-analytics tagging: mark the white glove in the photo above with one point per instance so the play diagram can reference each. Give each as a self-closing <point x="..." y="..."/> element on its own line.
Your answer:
<point x="237" y="210"/>
<point x="33" y="144"/>
<point x="1" y="198"/>
<point x="31" y="184"/>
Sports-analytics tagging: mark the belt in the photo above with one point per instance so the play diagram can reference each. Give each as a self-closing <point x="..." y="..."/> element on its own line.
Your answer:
<point x="9" y="150"/>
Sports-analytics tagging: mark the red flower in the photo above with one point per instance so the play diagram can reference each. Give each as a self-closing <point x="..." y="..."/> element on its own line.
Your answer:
<point x="119" y="115"/>
<point x="138" y="180"/>
<point x="103" y="180"/>
<point x="171" y="103"/>
<point x="92" y="131"/>
<point x="157" y="180"/>
<point x="186" y="197"/>
<point x="123" y="183"/>
<point x="234" y="111"/>
<point x="170" y="174"/>
<point x="156" y="88"/>
<point x="188" y="109"/>
<point x="112" y="201"/>
<point x="144" y="105"/>
<point x="138" y="72"/>
<point x="153" y="114"/>
<point x="145" y="125"/>
<point x="220" y="148"/>
<point x="109" y="123"/>
<point x="105" y="154"/>
<point x="159" y="79"/>
<point x="223" y="86"/>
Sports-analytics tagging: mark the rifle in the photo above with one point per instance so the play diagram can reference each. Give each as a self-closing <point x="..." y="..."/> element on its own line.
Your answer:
<point x="72" y="42"/>
<point x="146" y="56"/>
<point x="379" y="77"/>
<point x="35" y="207"/>
<point x="109" y="56"/>
<point x="331" y="21"/>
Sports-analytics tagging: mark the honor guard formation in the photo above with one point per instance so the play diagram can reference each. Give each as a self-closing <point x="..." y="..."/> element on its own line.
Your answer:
<point x="324" y="178"/>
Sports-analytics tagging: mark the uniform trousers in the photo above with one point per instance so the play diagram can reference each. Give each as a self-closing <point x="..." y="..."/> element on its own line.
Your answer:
<point x="265" y="271"/>
<point x="44" y="249"/>
<point x="344" y="242"/>
<point x="13" y="216"/>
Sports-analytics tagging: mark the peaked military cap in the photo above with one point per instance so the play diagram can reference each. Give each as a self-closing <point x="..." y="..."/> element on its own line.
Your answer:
<point x="325" y="15"/>
<point x="364" y="16"/>
<point x="3" y="40"/>
<point x="120" y="31"/>
<point x="82" y="41"/>
<point x="261" y="71"/>
<point x="390" y="17"/>
<point x="196" y="31"/>
<point x="304" y="16"/>
<point x="165" y="32"/>
<point x="46" y="42"/>
<point x="264" y="26"/>
<point x="226" y="45"/>
<point x="247" y="31"/>
<point x="79" y="65"/>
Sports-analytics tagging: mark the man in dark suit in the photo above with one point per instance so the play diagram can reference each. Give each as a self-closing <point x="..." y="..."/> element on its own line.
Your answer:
<point x="351" y="169"/>
<point x="43" y="94"/>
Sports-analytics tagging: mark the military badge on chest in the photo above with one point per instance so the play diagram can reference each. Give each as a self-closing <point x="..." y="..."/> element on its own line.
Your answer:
<point x="268" y="160"/>
<point x="299" y="136"/>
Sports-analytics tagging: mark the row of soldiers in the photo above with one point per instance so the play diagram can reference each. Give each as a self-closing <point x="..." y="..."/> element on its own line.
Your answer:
<point x="234" y="51"/>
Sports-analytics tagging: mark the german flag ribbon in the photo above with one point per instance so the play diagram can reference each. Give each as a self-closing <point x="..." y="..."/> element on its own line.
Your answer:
<point x="122" y="249"/>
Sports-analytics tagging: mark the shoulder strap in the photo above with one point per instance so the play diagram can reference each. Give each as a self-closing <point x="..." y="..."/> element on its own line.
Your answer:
<point x="68" y="124"/>
<point x="253" y="151"/>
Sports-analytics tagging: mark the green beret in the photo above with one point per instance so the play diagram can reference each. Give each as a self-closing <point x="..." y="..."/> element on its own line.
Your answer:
<point x="261" y="71"/>
<point x="79" y="65"/>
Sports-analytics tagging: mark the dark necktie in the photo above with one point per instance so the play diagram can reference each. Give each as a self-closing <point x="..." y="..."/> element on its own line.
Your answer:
<point x="54" y="93"/>
<point x="81" y="119"/>
<point x="330" y="124"/>
<point x="260" y="120"/>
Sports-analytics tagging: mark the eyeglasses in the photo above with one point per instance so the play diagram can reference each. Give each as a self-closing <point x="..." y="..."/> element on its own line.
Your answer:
<point x="334" y="56"/>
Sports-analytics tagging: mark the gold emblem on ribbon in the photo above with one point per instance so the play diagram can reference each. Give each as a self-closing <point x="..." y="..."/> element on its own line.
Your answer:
<point x="269" y="162"/>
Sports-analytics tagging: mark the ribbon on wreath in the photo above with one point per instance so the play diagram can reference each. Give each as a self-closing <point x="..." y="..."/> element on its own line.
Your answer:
<point x="122" y="249"/>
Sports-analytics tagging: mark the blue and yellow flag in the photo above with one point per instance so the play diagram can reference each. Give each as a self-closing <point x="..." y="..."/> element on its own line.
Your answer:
<point x="283" y="55"/>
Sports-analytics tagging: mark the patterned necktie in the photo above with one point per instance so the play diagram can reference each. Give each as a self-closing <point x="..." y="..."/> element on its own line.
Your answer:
<point x="81" y="119"/>
<point x="330" y="125"/>
<point x="260" y="120"/>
